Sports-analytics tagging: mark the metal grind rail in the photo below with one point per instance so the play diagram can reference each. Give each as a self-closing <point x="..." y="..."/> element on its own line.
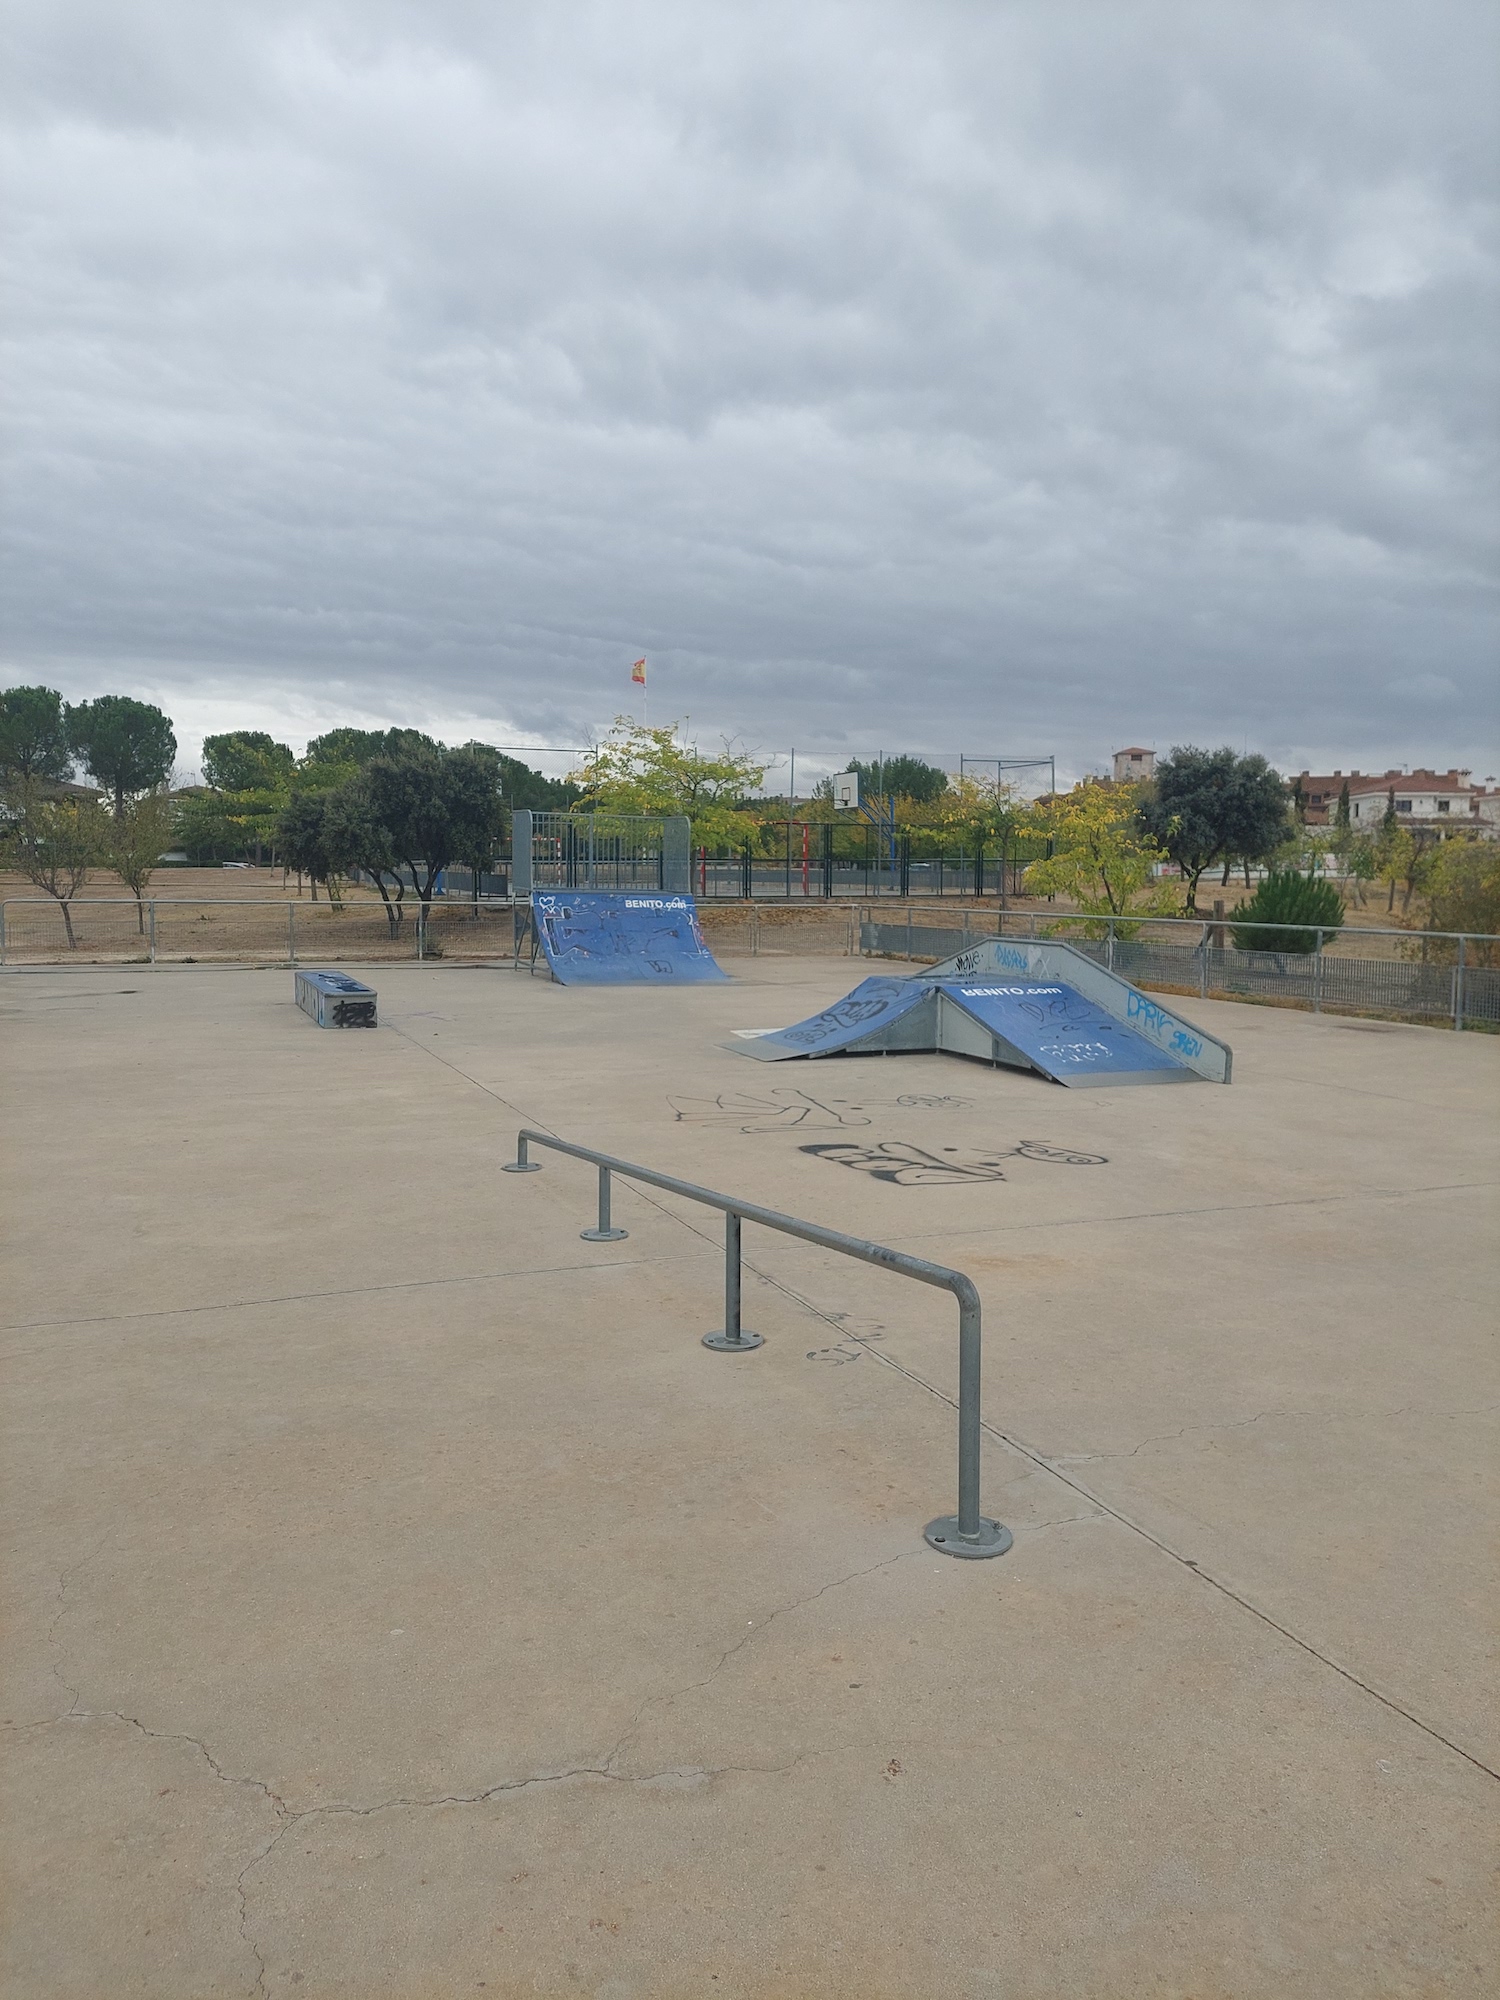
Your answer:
<point x="966" y="1533"/>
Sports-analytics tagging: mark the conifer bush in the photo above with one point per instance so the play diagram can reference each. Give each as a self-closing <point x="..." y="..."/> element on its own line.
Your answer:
<point x="1285" y="897"/>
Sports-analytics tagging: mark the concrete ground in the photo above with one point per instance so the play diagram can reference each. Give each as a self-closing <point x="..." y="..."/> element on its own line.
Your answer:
<point x="401" y="1600"/>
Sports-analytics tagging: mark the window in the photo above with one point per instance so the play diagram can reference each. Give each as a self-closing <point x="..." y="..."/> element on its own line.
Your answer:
<point x="1442" y="805"/>
<point x="1403" y="805"/>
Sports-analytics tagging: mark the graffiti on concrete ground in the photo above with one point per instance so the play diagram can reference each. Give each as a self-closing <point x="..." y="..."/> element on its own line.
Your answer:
<point x="855" y="1335"/>
<point x="784" y="1108"/>
<point x="901" y="1164"/>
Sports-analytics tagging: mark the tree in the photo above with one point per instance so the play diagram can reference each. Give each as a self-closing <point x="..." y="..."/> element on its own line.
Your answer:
<point x="1206" y="805"/>
<point x="520" y="786"/>
<point x="1463" y="894"/>
<point x="1102" y="859"/>
<point x="125" y="745"/>
<point x="1293" y="899"/>
<point x="901" y="778"/>
<point x="360" y="746"/>
<point x="33" y="735"/>
<point x="640" y="770"/>
<point x="435" y="807"/>
<point x="1396" y="860"/>
<point x="302" y="833"/>
<point x="135" y="842"/>
<point x="246" y="760"/>
<point x="353" y="838"/>
<point x="54" y="842"/>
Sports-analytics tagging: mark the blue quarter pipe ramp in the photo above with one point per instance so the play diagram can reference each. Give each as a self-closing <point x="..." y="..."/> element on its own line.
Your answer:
<point x="590" y="938"/>
<point x="1043" y="1024"/>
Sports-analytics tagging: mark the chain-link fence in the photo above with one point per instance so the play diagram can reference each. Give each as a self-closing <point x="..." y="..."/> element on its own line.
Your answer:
<point x="38" y="931"/>
<point x="1448" y="976"/>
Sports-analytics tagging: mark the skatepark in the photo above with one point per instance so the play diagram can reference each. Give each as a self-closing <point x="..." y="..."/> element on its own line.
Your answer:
<point x="404" y="1601"/>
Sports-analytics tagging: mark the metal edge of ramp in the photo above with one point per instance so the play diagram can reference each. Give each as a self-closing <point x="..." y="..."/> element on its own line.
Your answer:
<point x="1193" y="1047"/>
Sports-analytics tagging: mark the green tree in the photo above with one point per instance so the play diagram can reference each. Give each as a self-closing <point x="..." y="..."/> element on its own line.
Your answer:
<point x="136" y="841"/>
<point x="1463" y="894"/>
<point x="33" y="735"/>
<point x="1101" y="859"/>
<point x="246" y="760"/>
<point x="125" y="745"/>
<point x="353" y="838"/>
<point x="302" y="835"/>
<point x="435" y="807"/>
<point x="1207" y="805"/>
<point x="360" y="746"/>
<point x="640" y="770"/>
<point x="901" y="778"/>
<point x="55" y="842"/>
<point x="1395" y="854"/>
<point x="1290" y="898"/>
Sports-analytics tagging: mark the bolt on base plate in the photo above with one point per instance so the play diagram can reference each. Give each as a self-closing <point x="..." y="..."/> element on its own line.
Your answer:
<point x="720" y="1342"/>
<point x="942" y="1534"/>
<point x="603" y="1235"/>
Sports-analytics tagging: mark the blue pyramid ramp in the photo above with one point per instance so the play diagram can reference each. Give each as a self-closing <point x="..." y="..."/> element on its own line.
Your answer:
<point x="1048" y="1026"/>
<point x="591" y="938"/>
<point x="880" y="1014"/>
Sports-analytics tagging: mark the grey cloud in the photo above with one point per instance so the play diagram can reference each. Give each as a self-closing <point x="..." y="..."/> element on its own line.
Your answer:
<point x="936" y="375"/>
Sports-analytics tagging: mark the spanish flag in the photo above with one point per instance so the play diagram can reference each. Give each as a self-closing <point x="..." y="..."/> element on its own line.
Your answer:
<point x="638" y="673"/>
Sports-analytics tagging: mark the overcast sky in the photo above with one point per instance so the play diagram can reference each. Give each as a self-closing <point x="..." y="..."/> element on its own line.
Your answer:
<point x="947" y="376"/>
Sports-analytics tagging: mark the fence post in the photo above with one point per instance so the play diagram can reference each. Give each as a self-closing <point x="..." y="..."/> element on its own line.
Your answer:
<point x="1458" y="988"/>
<point x="1109" y="949"/>
<point x="731" y="1338"/>
<point x="291" y="933"/>
<point x="1203" y="964"/>
<point x="151" y="930"/>
<point x="908" y="930"/>
<point x="604" y="1233"/>
<point x="2" y="933"/>
<point x="1318" y="972"/>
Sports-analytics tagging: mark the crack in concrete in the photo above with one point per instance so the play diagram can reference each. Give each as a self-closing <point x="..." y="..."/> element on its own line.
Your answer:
<point x="1261" y="1416"/>
<point x="781" y="1611"/>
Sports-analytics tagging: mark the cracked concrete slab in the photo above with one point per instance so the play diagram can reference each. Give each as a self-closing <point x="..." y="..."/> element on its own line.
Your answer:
<point x="401" y="1601"/>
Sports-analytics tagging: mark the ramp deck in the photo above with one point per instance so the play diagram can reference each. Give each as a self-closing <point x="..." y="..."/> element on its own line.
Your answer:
<point x="591" y="937"/>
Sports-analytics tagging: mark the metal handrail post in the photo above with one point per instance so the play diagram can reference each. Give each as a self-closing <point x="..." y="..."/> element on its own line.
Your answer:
<point x="605" y="1233"/>
<point x="1109" y="949"/>
<point x="732" y="1338"/>
<point x="151" y="930"/>
<point x="1458" y="989"/>
<point x="291" y="933"/>
<point x="2" y="933"/>
<point x="1318" y="973"/>
<point x="966" y="1533"/>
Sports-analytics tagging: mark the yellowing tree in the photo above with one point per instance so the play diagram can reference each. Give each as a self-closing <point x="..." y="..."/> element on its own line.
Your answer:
<point x="1102" y="857"/>
<point x="640" y="770"/>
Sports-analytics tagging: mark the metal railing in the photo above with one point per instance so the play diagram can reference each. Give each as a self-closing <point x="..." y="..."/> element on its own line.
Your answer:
<point x="966" y="1533"/>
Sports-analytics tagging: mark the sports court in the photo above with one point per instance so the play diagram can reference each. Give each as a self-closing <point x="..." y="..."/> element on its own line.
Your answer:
<point x="402" y="1600"/>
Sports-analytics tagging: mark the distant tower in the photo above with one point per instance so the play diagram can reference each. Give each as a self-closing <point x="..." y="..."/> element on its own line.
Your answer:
<point x="1134" y="764"/>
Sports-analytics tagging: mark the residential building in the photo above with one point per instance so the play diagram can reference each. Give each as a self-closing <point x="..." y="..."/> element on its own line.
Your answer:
<point x="1432" y="803"/>
<point x="1319" y="793"/>
<point x="1134" y="764"/>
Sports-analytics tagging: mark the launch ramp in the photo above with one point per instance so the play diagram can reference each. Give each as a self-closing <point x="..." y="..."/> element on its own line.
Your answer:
<point x="594" y="938"/>
<point x="1083" y="1028"/>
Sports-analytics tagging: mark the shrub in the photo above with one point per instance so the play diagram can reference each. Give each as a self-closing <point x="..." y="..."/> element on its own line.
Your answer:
<point x="1285" y="897"/>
